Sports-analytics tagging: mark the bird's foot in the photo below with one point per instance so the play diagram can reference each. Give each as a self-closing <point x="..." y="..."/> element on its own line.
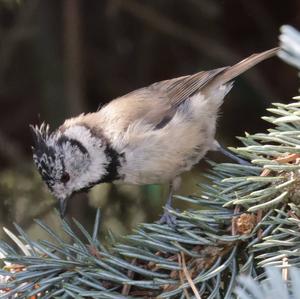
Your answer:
<point x="167" y="218"/>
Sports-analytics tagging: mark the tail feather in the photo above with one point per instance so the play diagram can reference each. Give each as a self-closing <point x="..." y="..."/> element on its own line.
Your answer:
<point x="242" y="66"/>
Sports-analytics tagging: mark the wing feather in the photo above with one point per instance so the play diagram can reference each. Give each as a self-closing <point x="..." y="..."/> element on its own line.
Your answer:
<point x="180" y="89"/>
<point x="156" y="104"/>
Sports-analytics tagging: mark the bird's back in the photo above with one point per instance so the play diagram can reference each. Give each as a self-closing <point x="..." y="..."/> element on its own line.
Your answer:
<point x="165" y="128"/>
<point x="157" y="103"/>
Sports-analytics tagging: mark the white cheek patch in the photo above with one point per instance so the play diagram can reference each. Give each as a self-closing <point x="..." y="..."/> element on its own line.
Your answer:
<point x="74" y="158"/>
<point x="85" y="168"/>
<point x="83" y="135"/>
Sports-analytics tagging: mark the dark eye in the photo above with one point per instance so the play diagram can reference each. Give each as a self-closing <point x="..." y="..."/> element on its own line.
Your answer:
<point x="65" y="177"/>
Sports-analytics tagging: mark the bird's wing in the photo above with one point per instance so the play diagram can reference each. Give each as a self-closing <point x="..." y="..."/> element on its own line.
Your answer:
<point x="178" y="90"/>
<point x="157" y="103"/>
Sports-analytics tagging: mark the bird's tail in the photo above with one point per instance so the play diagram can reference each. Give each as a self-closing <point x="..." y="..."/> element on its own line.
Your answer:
<point x="233" y="71"/>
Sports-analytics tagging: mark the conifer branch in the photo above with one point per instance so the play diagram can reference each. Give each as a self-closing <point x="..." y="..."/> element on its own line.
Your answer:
<point x="247" y="217"/>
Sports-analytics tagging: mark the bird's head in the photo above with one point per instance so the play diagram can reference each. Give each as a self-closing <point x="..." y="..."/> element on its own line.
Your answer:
<point x="69" y="161"/>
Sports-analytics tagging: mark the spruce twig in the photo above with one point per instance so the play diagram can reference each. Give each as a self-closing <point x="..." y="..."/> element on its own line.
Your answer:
<point x="248" y="218"/>
<point x="274" y="286"/>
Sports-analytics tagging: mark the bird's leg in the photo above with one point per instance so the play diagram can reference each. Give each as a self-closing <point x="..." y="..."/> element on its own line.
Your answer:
<point x="229" y="154"/>
<point x="167" y="217"/>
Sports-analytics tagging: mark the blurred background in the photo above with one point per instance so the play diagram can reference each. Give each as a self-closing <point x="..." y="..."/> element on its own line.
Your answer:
<point x="59" y="58"/>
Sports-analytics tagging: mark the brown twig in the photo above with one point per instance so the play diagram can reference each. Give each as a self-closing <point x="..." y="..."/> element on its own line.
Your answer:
<point x="182" y="278"/>
<point x="188" y="277"/>
<point x="283" y="159"/>
<point x="73" y="56"/>
<point x="130" y="274"/>
<point x="259" y="217"/>
<point x="233" y="221"/>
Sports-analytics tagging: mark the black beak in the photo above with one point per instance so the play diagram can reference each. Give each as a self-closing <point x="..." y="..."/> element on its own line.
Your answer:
<point x="63" y="202"/>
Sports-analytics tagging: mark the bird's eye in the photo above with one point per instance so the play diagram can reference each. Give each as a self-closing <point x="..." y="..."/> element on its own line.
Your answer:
<point x="65" y="177"/>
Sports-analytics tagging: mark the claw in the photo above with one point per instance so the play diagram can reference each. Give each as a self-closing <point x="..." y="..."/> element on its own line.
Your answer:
<point x="167" y="218"/>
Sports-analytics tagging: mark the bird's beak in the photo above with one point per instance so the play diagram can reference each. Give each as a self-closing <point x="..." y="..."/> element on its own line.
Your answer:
<point x="63" y="202"/>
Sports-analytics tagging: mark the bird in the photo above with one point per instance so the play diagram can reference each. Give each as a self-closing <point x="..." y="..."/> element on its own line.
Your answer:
<point x="149" y="136"/>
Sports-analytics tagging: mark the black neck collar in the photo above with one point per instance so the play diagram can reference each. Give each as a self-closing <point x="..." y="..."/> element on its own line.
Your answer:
<point x="113" y="166"/>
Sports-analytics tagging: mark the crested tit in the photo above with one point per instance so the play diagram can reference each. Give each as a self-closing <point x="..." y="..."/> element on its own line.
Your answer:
<point x="151" y="135"/>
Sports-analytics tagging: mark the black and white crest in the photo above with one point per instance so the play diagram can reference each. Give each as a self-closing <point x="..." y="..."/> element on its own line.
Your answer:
<point x="72" y="159"/>
<point x="48" y="161"/>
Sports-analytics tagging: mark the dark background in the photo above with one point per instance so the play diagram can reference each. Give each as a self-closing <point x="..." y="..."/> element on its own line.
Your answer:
<point x="61" y="58"/>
